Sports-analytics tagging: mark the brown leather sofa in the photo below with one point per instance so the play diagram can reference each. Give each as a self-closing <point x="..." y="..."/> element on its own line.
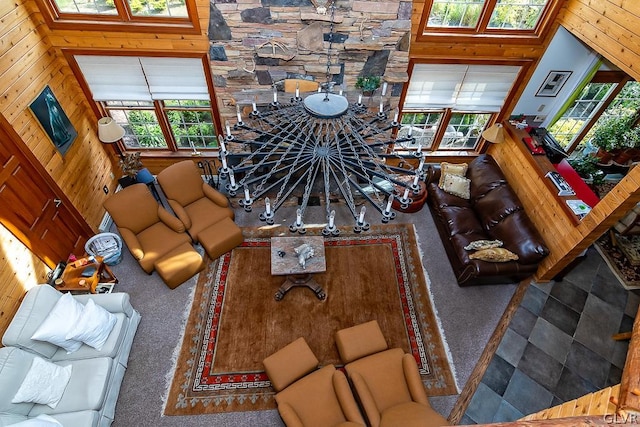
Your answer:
<point x="492" y="212"/>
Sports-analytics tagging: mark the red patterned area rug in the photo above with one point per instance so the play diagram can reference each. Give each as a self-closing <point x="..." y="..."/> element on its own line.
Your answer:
<point x="235" y="322"/>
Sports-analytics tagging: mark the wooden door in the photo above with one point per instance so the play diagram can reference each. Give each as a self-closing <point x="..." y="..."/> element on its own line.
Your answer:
<point x="33" y="207"/>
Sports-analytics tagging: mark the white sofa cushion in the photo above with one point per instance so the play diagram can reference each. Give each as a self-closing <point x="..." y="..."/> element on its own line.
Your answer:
<point x="44" y="383"/>
<point x="87" y="387"/>
<point x="93" y="326"/>
<point x="14" y="365"/>
<point x="62" y="318"/>
<point x="39" y="421"/>
<point x="35" y="306"/>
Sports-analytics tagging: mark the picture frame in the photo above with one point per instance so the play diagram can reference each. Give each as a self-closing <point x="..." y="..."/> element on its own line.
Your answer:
<point x="53" y="120"/>
<point x="554" y="82"/>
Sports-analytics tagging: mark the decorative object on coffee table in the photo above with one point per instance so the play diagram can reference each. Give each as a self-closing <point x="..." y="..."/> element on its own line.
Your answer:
<point x="303" y="257"/>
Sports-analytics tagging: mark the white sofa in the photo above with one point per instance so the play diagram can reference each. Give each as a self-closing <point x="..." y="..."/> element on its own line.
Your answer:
<point x="89" y="399"/>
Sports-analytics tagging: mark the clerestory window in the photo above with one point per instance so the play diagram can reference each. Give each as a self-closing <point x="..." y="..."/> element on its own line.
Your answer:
<point x="485" y="17"/>
<point x="143" y="15"/>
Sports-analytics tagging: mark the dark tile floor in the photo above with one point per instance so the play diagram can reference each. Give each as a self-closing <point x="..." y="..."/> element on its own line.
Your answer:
<point x="558" y="345"/>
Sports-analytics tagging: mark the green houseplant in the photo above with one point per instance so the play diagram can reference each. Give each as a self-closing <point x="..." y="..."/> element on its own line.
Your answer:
<point x="368" y="84"/>
<point x="616" y="138"/>
<point x="130" y="164"/>
<point x="587" y="168"/>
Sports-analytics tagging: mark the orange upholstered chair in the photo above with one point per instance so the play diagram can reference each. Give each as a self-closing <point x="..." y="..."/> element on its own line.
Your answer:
<point x="308" y="396"/>
<point x="155" y="238"/>
<point x="204" y="211"/>
<point x="386" y="381"/>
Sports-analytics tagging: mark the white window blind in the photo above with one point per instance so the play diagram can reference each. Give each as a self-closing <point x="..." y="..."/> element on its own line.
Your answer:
<point x="480" y="88"/>
<point x="130" y="78"/>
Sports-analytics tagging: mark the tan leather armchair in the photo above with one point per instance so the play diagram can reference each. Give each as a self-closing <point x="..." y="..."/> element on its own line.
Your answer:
<point x="386" y="381"/>
<point x="308" y="396"/>
<point x="148" y="229"/>
<point x="204" y="211"/>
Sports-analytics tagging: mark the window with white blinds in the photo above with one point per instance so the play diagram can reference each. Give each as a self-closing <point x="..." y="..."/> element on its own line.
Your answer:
<point x="130" y="78"/>
<point x="473" y="88"/>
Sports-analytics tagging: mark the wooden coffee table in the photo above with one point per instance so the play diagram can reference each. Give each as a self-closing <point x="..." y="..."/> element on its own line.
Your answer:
<point x="84" y="275"/>
<point x="284" y="262"/>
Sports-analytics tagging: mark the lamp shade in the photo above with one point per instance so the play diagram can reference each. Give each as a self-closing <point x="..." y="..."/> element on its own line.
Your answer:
<point x="494" y="134"/>
<point x="109" y="131"/>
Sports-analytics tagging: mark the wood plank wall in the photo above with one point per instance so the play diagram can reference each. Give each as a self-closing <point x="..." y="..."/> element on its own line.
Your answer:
<point x="32" y="59"/>
<point x="612" y="29"/>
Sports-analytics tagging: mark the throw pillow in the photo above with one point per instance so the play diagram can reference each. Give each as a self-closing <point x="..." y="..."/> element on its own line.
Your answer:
<point x="93" y="326"/>
<point x="59" y="322"/>
<point x="457" y="185"/>
<point x="483" y="244"/>
<point x="44" y="383"/>
<point x="459" y="169"/>
<point x="494" y="255"/>
<point x="41" y="420"/>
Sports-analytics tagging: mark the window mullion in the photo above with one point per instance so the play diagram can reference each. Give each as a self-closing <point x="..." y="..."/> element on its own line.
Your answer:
<point x="485" y="17"/>
<point x="124" y="11"/>
<point x="163" y="121"/>
<point x="442" y="127"/>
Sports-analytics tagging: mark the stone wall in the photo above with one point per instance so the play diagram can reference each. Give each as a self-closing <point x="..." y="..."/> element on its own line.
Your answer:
<point x="256" y="44"/>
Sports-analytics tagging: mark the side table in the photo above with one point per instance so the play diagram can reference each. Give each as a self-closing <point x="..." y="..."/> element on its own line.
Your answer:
<point x="84" y="275"/>
<point x="284" y="262"/>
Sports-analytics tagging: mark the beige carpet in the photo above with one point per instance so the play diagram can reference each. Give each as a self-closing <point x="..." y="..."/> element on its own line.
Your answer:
<point x="235" y="322"/>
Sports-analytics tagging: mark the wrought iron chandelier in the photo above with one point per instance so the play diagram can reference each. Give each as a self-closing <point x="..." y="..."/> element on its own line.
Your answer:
<point x="319" y="144"/>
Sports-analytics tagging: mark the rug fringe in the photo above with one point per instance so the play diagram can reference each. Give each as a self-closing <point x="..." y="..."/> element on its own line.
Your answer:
<point x="435" y="312"/>
<point x="168" y="377"/>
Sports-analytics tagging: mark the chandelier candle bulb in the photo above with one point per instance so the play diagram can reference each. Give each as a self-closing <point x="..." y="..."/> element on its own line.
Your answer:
<point x="254" y="107"/>
<point x="223" y="159"/>
<point x="387" y="209"/>
<point x="410" y="130"/>
<point x="384" y="88"/>
<point x="247" y="197"/>
<point x="298" y="217"/>
<point x="381" y="105"/>
<point x="267" y="206"/>
<point x="238" y="115"/>
<point x="227" y="127"/>
<point x="332" y="219"/>
<point x="419" y="150"/>
<point x="405" y="196"/>
<point x="297" y="90"/>
<point x="416" y="179"/>
<point x="360" y="99"/>
<point x="361" y="216"/>
<point x="421" y="165"/>
<point x="395" y="116"/>
<point x="232" y="179"/>
<point x="275" y="94"/>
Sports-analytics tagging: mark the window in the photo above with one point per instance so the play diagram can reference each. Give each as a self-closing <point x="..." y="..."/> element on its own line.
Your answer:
<point x="163" y="103"/>
<point x="105" y="13"/>
<point x="447" y="106"/>
<point x="484" y="16"/>
<point x="607" y="93"/>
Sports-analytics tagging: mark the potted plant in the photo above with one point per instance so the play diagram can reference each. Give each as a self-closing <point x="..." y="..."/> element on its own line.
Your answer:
<point x="368" y="84"/>
<point x="613" y="137"/>
<point x="587" y="168"/>
<point x="130" y="164"/>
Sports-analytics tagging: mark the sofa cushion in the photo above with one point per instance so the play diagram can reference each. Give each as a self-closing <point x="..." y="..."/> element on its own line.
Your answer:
<point x="93" y="326"/>
<point x="441" y="198"/>
<point x="526" y="243"/>
<point x="14" y="365"/>
<point x="44" y="383"/>
<point x="87" y="387"/>
<point x="61" y="319"/>
<point x="495" y="205"/>
<point x="456" y="185"/>
<point x="34" y="308"/>
<point x="477" y="245"/>
<point x="494" y="255"/>
<point x="460" y="220"/>
<point x="485" y="175"/>
<point x="459" y="169"/>
<point x="39" y="421"/>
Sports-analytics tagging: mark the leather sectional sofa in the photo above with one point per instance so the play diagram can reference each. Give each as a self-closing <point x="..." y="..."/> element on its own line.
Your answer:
<point x="492" y="212"/>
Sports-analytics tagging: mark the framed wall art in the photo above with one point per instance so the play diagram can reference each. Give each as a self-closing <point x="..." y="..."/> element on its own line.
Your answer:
<point x="553" y="83"/>
<point x="53" y="120"/>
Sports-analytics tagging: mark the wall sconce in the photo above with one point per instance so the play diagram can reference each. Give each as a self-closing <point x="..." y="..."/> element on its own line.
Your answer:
<point x="495" y="134"/>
